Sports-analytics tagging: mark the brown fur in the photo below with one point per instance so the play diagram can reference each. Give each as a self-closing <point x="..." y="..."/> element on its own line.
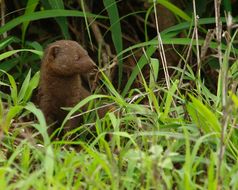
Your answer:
<point x="63" y="64"/>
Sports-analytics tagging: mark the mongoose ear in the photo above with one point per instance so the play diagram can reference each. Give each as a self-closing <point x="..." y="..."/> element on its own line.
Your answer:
<point x="53" y="51"/>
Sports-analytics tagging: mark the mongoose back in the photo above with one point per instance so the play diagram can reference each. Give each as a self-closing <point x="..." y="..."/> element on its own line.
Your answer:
<point x="60" y="86"/>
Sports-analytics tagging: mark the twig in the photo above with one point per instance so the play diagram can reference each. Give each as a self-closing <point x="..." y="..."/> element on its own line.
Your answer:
<point x="4" y="35"/>
<point x="207" y="42"/>
<point x="225" y="117"/>
<point x="3" y="7"/>
<point x="124" y="36"/>
<point x="186" y="60"/>
<point x="196" y="17"/>
<point x="106" y="52"/>
<point x="161" y="50"/>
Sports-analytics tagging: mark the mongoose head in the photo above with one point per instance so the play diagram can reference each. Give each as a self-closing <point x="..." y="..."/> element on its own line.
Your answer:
<point x="66" y="58"/>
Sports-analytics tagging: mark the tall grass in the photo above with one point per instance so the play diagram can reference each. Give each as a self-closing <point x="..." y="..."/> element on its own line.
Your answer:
<point x="173" y="141"/>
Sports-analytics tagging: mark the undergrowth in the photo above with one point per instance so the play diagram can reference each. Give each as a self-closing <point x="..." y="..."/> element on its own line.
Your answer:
<point x="174" y="132"/>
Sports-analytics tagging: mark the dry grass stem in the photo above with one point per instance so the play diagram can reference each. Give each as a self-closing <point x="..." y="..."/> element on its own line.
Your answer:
<point x="196" y="17"/>
<point x="161" y="50"/>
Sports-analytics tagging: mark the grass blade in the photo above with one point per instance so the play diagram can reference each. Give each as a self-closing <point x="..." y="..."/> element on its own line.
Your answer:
<point x="24" y="87"/>
<point x="112" y="10"/>
<point x="174" y="9"/>
<point x="59" y="4"/>
<point x="30" y="8"/>
<point x="12" y="52"/>
<point x="43" y="15"/>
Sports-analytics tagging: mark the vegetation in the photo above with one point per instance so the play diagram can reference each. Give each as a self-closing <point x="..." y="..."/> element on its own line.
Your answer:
<point x="175" y="122"/>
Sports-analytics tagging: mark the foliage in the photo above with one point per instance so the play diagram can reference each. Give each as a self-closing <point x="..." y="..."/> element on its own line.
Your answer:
<point x="182" y="137"/>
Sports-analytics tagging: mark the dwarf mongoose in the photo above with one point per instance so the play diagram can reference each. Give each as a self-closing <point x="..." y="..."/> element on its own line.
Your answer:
<point x="60" y="86"/>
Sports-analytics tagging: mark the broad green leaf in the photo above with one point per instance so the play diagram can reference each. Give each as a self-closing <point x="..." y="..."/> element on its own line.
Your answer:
<point x="227" y="5"/>
<point x="8" y="64"/>
<point x="233" y="70"/>
<point x="212" y="179"/>
<point x="169" y="99"/>
<point x="13" y="112"/>
<point x="13" y="87"/>
<point x="234" y="98"/>
<point x="114" y="18"/>
<point x="24" y="87"/>
<point x="111" y="88"/>
<point x="30" y="8"/>
<point x="1" y="111"/>
<point x="41" y="127"/>
<point x="32" y="85"/>
<point x="173" y="9"/>
<point x="49" y="163"/>
<point x="10" y="53"/>
<point x="5" y="42"/>
<point x="87" y="24"/>
<point x="42" y="15"/>
<point x="62" y="21"/>
<point x="3" y="175"/>
<point x="154" y="71"/>
<point x="203" y="117"/>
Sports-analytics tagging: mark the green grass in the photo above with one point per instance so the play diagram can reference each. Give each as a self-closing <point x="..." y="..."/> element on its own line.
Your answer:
<point x="173" y="141"/>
